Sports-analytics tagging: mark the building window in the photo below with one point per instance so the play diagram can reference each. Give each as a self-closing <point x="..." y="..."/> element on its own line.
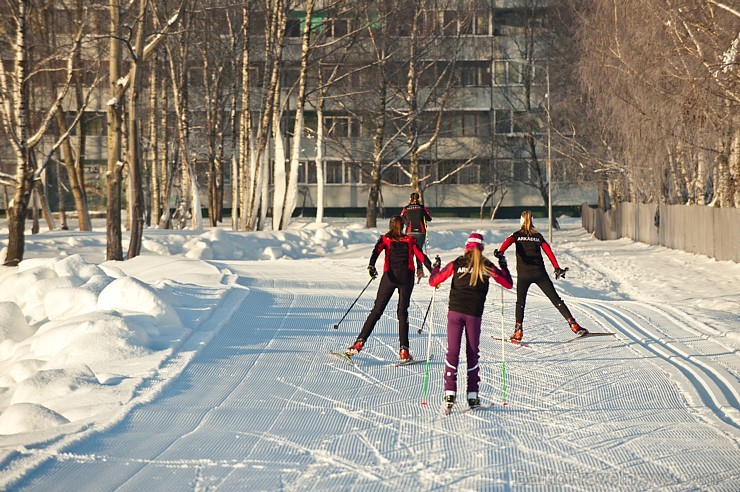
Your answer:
<point x="337" y="28"/>
<point x="466" y="124"/>
<point x="521" y="170"/>
<point x="293" y="28"/>
<point x="469" y="174"/>
<point x="475" y="74"/>
<point x="342" y="126"/>
<point x="333" y="172"/>
<point x="430" y="24"/>
<point x="396" y="176"/>
<point x="290" y="77"/>
<point x="488" y="173"/>
<point x="476" y="124"/>
<point x="450" y="23"/>
<point x="352" y="174"/>
<point x="307" y="172"/>
<point x="503" y="121"/>
<point x="446" y="167"/>
<point x="481" y="23"/>
<point x="337" y="126"/>
<point x="426" y="170"/>
<point x="507" y="72"/>
<point x="465" y="24"/>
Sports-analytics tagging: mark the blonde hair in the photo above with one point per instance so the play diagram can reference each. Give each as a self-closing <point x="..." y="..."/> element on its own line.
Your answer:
<point x="527" y="226"/>
<point x="476" y="266"/>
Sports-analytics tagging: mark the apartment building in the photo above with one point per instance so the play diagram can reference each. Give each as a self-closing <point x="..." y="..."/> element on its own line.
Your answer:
<point x="481" y="105"/>
<point x="482" y="71"/>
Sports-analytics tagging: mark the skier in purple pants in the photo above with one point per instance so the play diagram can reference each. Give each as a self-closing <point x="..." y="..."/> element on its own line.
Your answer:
<point x="470" y="279"/>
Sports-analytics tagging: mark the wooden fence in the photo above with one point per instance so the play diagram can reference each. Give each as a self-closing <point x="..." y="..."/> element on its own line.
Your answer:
<point x="714" y="232"/>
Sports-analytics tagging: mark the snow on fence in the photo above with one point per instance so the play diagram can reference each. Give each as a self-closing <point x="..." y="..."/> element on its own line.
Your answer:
<point x="714" y="232"/>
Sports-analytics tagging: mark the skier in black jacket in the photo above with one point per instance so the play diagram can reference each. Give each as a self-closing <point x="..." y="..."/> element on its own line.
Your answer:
<point x="530" y="269"/>
<point x="415" y="215"/>
<point x="398" y="274"/>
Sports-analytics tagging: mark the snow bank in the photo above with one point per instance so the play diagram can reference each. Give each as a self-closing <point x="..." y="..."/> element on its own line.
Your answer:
<point x="64" y="325"/>
<point x="128" y="294"/>
<point x="28" y="417"/>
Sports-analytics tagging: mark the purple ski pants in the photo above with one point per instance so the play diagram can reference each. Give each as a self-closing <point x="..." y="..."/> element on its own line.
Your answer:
<point x="457" y="324"/>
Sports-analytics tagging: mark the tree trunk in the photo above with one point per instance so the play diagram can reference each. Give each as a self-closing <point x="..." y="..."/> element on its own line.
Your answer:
<point x="114" y="249"/>
<point x="735" y="166"/>
<point x="320" y="180"/>
<point x="156" y="170"/>
<point x="278" y="187"/>
<point x="134" y="149"/>
<point x="291" y="197"/>
<point x="274" y="36"/>
<point x="24" y="172"/>
<point x="44" y="204"/>
<point x="700" y="187"/>
<point x="61" y="199"/>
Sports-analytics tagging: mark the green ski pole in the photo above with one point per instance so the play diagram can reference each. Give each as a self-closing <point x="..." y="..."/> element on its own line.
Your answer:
<point x="503" y="348"/>
<point x="429" y="350"/>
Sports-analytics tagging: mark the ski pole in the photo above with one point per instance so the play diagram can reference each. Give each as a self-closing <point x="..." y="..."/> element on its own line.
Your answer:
<point x="425" y="316"/>
<point x="503" y="347"/>
<point x="429" y="350"/>
<point x="336" y="327"/>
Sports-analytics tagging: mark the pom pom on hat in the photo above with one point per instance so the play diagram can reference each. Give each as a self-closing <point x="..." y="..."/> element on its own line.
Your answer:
<point x="475" y="241"/>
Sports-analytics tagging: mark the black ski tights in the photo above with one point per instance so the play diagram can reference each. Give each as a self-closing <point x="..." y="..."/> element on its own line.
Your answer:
<point x="539" y="277"/>
<point x="404" y="282"/>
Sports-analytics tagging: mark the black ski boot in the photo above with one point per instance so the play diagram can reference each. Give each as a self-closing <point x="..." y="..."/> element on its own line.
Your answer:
<point x="473" y="400"/>
<point x="449" y="403"/>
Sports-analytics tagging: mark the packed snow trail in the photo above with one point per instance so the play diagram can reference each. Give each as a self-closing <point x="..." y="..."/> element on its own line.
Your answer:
<point x="263" y="406"/>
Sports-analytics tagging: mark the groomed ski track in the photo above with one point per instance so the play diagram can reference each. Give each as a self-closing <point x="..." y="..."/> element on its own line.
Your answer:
<point x="263" y="406"/>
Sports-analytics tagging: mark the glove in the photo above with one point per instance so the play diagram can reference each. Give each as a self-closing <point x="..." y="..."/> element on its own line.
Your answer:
<point x="437" y="262"/>
<point x="498" y="254"/>
<point x="560" y="272"/>
<point x="501" y="261"/>
<point x="419" y="272"/>
<point x="372" y="271"/>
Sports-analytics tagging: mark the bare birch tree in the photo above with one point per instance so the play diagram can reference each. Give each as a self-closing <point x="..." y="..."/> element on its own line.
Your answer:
<point x="15" y="90"/>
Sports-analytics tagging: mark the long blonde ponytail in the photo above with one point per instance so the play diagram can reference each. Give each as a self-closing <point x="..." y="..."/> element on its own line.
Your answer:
<point x="526" y="222"/>
<point x="476" y="266"/>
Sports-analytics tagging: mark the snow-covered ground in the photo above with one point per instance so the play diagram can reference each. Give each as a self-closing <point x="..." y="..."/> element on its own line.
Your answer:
<point x="204" y="364"/>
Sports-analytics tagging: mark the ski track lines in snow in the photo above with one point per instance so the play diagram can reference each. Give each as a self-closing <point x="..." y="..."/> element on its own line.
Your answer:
<point x="716" y="386"/>
<point x="263" y="406"/>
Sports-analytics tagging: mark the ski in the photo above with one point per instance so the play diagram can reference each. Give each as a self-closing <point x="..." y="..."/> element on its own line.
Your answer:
<point x="592" y="334"/>
<point x="409" y="362"/>
<point x="346" y="358"/>
<point x="447" y="410"/>
<point x="519" y="344"/>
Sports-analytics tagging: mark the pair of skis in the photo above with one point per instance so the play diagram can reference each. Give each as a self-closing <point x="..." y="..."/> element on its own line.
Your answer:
<point x="348" y="359"/>
<point x="447" y="408"/>
<point x="587" y="335"/>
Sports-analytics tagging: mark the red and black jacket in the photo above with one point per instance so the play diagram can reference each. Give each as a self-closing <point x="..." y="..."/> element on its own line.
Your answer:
<point x="415" y="216"/>
<point x="399" y="254"/>
<point x="466" y="298"/>
<point x="529" y="251"/>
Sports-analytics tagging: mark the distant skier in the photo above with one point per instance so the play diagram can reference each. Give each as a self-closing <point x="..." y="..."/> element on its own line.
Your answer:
<point x="530" y="269"/>
<point x="398" y="274"/>
<point x="470" y="274"/>
<point x="415" y="216"/>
